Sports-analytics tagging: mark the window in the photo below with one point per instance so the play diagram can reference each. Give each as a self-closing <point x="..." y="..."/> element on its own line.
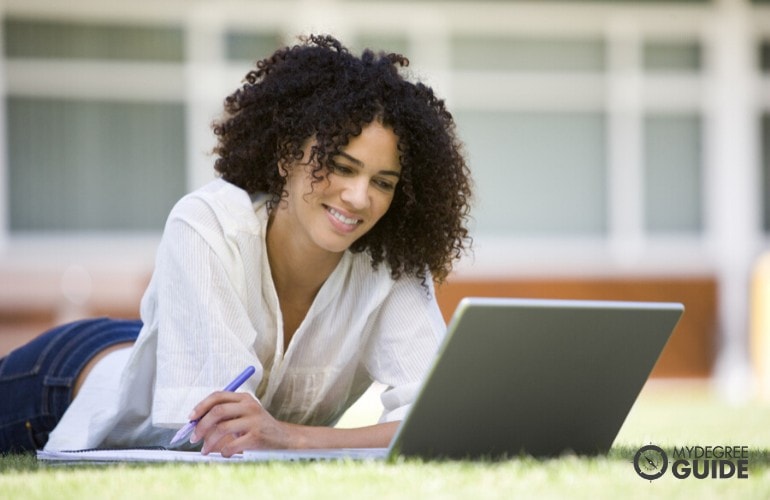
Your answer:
<point x="41" y="39"/>
<point x="766" y="170"/>
<point x="764" y="56"/>
<point x="91" y="165"/>
<point x="495" y="53"/>
<point x="537" y="173"/>
<point x="672" y="56"/>
<point x="78" y="162"/>
<point x="672" y="166"/>
<point x="249" y="46"/>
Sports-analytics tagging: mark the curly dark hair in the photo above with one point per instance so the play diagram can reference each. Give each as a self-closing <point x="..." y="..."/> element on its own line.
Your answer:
<point x="319" y="89"/>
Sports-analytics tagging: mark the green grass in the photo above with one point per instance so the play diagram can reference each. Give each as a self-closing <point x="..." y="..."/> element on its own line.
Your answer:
<point x="665" y="415"/>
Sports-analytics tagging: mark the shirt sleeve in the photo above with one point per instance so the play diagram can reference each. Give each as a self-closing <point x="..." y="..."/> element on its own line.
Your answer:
<point x="406" y="336"/>
<point x="205" y="336"/>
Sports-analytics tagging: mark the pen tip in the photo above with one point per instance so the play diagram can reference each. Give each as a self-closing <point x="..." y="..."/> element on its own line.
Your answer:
<point x="181" y="435"/>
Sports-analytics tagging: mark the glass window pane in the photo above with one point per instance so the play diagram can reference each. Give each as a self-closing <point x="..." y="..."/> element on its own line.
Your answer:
<point x="241" y="46"/>
<point x="764" y="56"/>
<point x="682" y="56"/>
<point x="498" y="53"/>
<point x="85" y="165"/>
<point x="672" y="151"/>
<point x="537" y="173"/>
<point x="766" y="169"/>
<point x="42" y="39"/>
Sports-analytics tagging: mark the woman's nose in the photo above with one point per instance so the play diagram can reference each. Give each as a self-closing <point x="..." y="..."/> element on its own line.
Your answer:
<point x="356" y="193"/>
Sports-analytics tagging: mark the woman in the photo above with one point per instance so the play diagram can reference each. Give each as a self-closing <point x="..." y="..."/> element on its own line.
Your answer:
<point x="342" y="196"/>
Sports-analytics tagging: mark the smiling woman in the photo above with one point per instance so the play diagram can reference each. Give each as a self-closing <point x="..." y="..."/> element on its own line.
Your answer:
<point x="318" y="220"/>
<point x="343" y="195"/>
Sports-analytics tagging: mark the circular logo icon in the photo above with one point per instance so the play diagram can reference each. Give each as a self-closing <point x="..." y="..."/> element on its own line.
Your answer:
<point x="650" y="462"/>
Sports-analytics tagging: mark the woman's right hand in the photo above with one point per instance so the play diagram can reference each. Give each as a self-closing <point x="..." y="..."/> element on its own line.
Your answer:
<point x="231" y="422"/>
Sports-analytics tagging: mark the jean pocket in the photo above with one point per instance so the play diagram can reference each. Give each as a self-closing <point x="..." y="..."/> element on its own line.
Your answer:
<point x="29" y="359"/>
<point x="19" y="364"/>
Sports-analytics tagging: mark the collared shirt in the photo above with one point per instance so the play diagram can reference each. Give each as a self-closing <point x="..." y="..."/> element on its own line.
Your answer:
<point x="211" y="309"/>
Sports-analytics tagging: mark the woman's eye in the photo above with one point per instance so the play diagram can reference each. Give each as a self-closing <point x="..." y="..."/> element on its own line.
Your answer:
<point x="385" y="185"/>
<point x="340" y="169"/>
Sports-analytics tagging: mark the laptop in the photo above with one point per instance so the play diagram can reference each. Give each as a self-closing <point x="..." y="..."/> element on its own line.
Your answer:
<point x="514" y="377"/>
<point x="526" y="377"/>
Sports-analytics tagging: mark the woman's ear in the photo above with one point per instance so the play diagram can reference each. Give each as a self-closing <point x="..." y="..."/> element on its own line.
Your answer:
<point x="283" y="168"/>
<point x="308" y="154"/>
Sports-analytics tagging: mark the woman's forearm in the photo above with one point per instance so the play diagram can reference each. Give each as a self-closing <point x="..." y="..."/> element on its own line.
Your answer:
<point x="373" y="436"/>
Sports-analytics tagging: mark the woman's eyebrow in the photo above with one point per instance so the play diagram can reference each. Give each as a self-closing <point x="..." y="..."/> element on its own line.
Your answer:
<point x="359" y="163"/>
<point x="351" y="159"/>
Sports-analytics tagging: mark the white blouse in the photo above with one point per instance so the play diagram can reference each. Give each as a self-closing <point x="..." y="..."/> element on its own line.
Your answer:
<point x="211" y="309"/>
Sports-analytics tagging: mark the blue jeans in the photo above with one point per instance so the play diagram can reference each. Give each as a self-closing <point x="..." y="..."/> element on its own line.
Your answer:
<point x="36" y="380"/>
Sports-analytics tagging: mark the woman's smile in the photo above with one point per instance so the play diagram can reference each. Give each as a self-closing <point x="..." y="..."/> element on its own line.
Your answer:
<point x="342" y="220"/>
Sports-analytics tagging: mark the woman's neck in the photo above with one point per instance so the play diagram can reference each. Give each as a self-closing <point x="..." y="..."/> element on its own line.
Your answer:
<point x="298" y="271"/>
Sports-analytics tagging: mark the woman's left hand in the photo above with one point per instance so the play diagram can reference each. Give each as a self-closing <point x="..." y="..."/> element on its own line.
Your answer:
<point x="231" y="422"/>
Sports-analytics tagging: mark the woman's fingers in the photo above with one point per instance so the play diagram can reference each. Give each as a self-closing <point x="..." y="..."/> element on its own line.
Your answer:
<point x="259" y="431"/>
<point x="229" y="417"/>
<point x="212" y="410"/>
<point x="213" y="399"/>
<point x="226" y="419"/>
<point x="213" y="444"/>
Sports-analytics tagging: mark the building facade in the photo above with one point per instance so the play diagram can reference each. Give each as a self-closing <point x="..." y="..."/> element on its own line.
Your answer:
<point x="608" y="140"/>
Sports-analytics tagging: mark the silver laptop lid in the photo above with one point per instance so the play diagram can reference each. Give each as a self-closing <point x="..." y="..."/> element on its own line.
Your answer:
<point x="537" y="377"/>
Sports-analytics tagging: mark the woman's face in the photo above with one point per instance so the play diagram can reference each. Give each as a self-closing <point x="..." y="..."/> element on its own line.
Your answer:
<point x="333" y="213"/>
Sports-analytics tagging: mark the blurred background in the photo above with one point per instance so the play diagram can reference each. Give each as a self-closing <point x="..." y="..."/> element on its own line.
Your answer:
<point x="621" y="150"/>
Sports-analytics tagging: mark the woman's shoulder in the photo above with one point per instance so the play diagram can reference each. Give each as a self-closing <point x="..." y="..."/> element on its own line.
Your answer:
<point x="221" y="194"/>
<point x="222" y="203"/>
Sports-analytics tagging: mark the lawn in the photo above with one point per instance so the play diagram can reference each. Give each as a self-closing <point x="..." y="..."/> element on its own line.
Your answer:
<point x="669" y="415"/>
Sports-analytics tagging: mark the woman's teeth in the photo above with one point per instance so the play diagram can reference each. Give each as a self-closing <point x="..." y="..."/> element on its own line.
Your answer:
<point x="342" y="218"/>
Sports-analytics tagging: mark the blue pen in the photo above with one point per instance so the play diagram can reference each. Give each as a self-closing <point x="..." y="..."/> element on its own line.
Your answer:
<point x="185" y="431"/>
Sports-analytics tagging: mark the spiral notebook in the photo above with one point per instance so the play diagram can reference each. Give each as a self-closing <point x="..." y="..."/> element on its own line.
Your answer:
<point x="512" y="377"/>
